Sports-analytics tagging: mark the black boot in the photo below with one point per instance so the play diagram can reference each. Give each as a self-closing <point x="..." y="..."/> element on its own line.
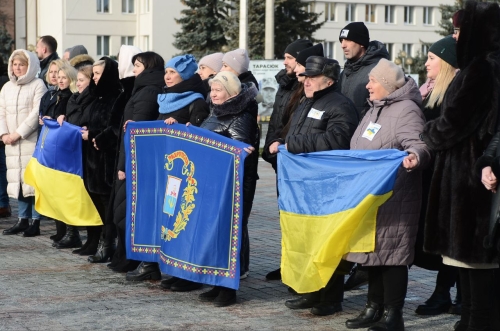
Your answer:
<point x="226" y="297"/>
<point x="104" y="253"/>
<point x="438" y="303"/>
<point x="369" y="316"/>
<point x="392" y="320"/>
<point x="274" y="275"/>
<point x="71" y="239"/>
<point x="21" y="225"/>
<point x="33" y="230"/>
<point x="145" y="270"/>
<point x="60" y="231"/>
<point x="210" y="295"/>
<point x="93" y="235"/>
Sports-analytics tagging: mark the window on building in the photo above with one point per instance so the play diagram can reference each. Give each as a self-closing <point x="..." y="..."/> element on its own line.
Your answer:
<point x="329" y="49"/>
<point x="389" y="14"/>
<point x="370" y="13"/>
<point x="424" y="49"/>
<point x="409" y="15"/>
<point x="128" y="6"/>
<point x="349" y="12"/>
<point x="128" y="40"/>
<point x="390" y="50"/>
<point x="428" y="15"/>
<point x="103" y="6"/>
<point x="329" y="11"/>
<point x="102" y="45"/>
<point x="408" y="49"/>
<point x="145" y="43"/>
<point x="146" y="6"/>
<point x="311" y="7"/>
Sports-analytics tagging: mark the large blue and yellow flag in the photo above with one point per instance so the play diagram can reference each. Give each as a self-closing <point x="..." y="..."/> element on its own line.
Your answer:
<point x="184" y="201"/>
<point x="56" y="173"/>
<point x="328" y="205"/>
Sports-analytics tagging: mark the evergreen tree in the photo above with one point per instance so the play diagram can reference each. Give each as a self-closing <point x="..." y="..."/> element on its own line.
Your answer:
<point x="292" y="22"/>
<point x="6" y="43"/>
<point x="202" y="32"/>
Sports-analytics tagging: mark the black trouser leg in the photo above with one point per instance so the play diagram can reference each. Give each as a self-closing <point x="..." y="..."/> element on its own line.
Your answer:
<point x="388" y="285"/>
<point x="482" y="303"/>
<point x="447" y="277"/>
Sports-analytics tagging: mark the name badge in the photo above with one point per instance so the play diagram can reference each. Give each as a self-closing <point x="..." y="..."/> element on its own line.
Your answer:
<point x="371" y="131"/>
<point x="316" y="114"/>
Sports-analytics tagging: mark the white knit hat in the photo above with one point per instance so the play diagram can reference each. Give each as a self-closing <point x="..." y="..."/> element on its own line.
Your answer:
<point x="238" y="60"/>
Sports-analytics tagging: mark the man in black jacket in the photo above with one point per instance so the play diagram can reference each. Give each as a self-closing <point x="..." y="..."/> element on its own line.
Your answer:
<point x="362" y="55"/>
<point x="46" y="50"/>
<point x="325" y="120"/>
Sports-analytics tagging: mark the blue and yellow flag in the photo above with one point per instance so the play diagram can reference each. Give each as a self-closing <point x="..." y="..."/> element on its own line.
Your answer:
<point x="184" y="201"/>
<point x="56" y="173"/>
<point x="328" y="206"/>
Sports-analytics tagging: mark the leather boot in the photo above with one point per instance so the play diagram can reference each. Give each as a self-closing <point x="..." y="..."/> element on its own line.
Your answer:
<point x="392" y="320"/>
<point x="369" y="316"/>
<point x="21" y="225"/>
<point x="438" y="303"/>
<point x="145" y="270"/>
<point x="60" y="231"/>
<point x="104" y="253"/>
<point x="33" y="230"/>
<point x="71" y="239"/>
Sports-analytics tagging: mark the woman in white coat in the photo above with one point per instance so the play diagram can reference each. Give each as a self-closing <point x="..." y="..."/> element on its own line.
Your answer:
<point x="19" y="103"/>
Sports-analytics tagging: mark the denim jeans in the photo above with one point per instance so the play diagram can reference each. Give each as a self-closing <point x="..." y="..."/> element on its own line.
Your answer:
<point x="4" y="198"/>
<point x="26" y="206"/>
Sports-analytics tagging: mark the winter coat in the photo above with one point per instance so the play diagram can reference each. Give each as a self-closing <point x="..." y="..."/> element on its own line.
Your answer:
<point x="401" y="122"/>
<point x="104" y="116"/>
<point x="354" y="77"/>
<point x="48" y="102"/>
<point x="287" y="86"/>
<point x="248" y="77"/>
<point x="19" y="108"/>
<point x="76" y="108"/>
<point x="59" y="108"/>
<point x="333" y="130"/>
<point x="459" y="205"/>
<point x="44" y="66"/>
<point x="195" y="112"/>
<point x="237" y="119"/>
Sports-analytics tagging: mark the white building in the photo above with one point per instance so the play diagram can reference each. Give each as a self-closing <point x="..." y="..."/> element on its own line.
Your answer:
<point x="102" y="26"/>
<point x="401" y="25"/>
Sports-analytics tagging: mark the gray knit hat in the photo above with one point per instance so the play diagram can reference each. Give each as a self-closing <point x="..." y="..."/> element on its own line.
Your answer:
<point x="238" y="60"/>
<point x="389" y="75"/>
<point x="213" y="61"/>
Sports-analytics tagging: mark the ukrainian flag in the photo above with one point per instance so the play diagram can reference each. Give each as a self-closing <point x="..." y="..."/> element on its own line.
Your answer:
<point x="56" y="173"/>
<point x="328" y="205"/>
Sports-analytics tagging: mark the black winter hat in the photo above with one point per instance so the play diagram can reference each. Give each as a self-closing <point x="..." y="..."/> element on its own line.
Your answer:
<point x="446" y="49"/>
<point x="311" y="51"/>
<point x="357" y="32"/>
<point x="319" y="65"/>
<point x="297" y="46"/>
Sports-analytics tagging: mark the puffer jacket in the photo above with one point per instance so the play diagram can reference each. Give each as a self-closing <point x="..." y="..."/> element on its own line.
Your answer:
<point x="19" y="108"/>
<point x="332" y="130"/>
<point x="237" y="119"/>
<point x="354" y="77"/>
<point x="401" y="122"/>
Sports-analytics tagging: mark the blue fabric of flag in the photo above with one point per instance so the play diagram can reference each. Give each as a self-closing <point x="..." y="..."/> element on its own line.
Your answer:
<point x="184" y="201"/>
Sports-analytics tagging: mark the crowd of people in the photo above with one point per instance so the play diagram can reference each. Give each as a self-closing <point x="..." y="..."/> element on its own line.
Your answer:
<point x="443" y="212"/>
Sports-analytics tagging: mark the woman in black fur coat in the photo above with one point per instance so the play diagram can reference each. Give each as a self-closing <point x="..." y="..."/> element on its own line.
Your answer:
<point x="233" y="114"/>
<point x="459" y="205"/>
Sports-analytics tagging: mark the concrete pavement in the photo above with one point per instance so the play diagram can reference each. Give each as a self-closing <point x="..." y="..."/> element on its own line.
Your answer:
<point x="43" y="288"/>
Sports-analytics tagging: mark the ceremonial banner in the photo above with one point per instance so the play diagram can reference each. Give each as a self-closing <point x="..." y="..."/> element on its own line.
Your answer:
<point x="184" y="201"/>
<point x="328" y="207"/>
<point x="56" y="173"/>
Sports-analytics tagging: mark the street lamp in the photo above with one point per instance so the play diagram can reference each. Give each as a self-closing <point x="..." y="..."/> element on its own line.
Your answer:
<point x="404" y="59"/>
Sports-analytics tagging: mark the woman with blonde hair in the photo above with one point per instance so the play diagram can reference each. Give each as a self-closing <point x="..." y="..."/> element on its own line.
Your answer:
<point x="441" y="67"/>
<point x="19" y="104"/>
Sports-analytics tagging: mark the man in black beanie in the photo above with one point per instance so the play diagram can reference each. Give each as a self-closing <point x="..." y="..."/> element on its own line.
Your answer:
<point x="362" y="55"/>
<point x="288" y="83"/>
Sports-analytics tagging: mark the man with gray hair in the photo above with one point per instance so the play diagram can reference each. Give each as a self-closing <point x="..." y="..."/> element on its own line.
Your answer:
<point x="325" y="120"/>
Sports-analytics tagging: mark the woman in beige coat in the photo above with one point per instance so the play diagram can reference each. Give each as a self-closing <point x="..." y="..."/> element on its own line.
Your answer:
<point x="19" y="103"/>
<point x="394" y="120"/>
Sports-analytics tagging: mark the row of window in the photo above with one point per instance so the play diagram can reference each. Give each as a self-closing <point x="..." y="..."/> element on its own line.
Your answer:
<point x="408" y="48"/>
<point x="103" y="47"/>
<point x="370" y="17"/>
<point x="128" y="6"/>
